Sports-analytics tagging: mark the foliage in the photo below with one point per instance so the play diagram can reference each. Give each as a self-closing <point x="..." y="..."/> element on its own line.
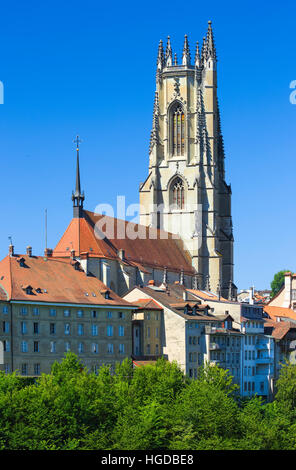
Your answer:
<point x="278" y="281"/>
<point x="151" y="407"/>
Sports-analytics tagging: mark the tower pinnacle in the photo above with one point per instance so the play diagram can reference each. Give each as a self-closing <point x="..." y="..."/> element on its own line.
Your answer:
<point x="210" y="45"/>
<point x="186" y="52"/>
<point x="169" y="53"/>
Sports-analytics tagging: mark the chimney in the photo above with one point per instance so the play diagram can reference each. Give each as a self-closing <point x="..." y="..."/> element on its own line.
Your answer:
<point x="185" y="296"/>
<point x="29" y="250"/>
<point x="47" y="252"/>
<point x="72" y="254"/>
<point x="121" y="254"/>
<point x="251" y="292"/>
<point x="11" y="250"/>
<point x="288" y="290"/>
<point x="84" y="262"/>
<point x="151" y="282"/>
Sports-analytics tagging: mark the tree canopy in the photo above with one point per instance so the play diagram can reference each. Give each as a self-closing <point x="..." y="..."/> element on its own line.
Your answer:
<point x="151" y="407"/>
<point x="278" y="281"/>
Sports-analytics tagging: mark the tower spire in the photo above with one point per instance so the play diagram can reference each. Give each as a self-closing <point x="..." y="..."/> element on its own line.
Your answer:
<point x="154" y="130"/>
<point x="186" y="52"/>
<point x="160" y="59"/>
<point x="211" y="49"/>
<point x="77" y="196"/>
<point x="197" y="55"/>
<point x="169" y="53"/>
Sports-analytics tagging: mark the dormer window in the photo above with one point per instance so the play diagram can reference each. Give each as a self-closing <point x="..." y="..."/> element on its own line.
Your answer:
<point x="106" y="293"/>
<point x="21" y="262"/>
<point x="28" y="290"/>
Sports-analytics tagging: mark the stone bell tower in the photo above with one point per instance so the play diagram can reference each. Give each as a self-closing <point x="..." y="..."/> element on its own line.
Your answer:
<point x="185" y="192"/>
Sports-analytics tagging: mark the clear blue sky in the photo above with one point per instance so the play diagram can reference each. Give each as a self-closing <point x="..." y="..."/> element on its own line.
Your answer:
<point x="89" y="68"/>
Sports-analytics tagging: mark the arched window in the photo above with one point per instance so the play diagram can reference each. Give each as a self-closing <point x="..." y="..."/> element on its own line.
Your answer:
<point x="178" y="130"/>
<point x="177" y="194"/>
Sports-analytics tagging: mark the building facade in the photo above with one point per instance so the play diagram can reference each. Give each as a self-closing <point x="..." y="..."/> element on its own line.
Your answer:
<point x="190" y="334"/>
<point x="49" y="307"/>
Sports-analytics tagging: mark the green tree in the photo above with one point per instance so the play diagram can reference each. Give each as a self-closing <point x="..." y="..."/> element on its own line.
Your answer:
<point x="278" y="281"/>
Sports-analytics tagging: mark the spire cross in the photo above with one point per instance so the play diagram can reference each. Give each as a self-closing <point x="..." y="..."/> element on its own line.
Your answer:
<point x="77" y="141"/>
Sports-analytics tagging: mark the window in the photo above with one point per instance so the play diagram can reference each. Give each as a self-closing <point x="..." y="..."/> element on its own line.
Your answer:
<point x="7" y="368"/>
<point x="95" y="348"/>
<point x="36" y="369"/>
<point x="6" y="346"/>
<point x="24" y="311"/>
<point x="110" y="348"/>
<point x="120" y="315"/>
<point x="5" y="326"/>
<point x="148" y="349"/>
<point x="94" y="314"/>
<point x="24" y="346"/>
<point x="121" y="330"/>
<point x="109" y="314"/>
<point x="80" y="348"/>
<point x="148" y="332"/>
<point x="52" y="328"/>
<point x="52" y="312"/>
<point x="52" y="346"/>
<point x="36" y="311"/>
<point x="36" y="328"/>
<point x="109" y="330"/>
<point x="177" y="194"/>
<point x="79" y="313"/>
<point x="23" y="327"/>
<point x="5" y="309"/>
<point x="156" y="333"/>
<point x="156" y="349"/>
<point x="94" y="330"/>
<point x="121" y="349"/>
<point x="24" y="369"/>
<point x="36" y="346"/>
<point x="80" y="329"/>
<point x="177" y="130"/>
<point x="67" y="346"/>
<point x="67" y="328"/>
<point x="66" y="313"/>
<point x="148" y="316"/>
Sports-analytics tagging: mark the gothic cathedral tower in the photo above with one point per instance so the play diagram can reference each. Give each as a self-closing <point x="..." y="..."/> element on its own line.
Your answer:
<point x="185" y="192"/>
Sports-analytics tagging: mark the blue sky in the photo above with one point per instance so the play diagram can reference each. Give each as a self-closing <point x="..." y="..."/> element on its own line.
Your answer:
<point x="89" y="68"/>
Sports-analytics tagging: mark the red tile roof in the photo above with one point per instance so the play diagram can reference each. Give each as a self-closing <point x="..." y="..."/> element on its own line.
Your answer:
<point x="56" y="280"/>
<point x="278" y="329"/>
<point x="160" y="249"/>
<point x="275" y="312"/>
<point x="148" y="304"/>
<point x="207" y="295"/>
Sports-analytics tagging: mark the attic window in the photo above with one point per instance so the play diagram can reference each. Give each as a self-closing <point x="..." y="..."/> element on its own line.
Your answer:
<point x="105" y="293"/>
<point x="28" y="289"/>
<point x="22" y="262"/>
<point x="86" y="294"/>
<point x="39" y="290"/>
